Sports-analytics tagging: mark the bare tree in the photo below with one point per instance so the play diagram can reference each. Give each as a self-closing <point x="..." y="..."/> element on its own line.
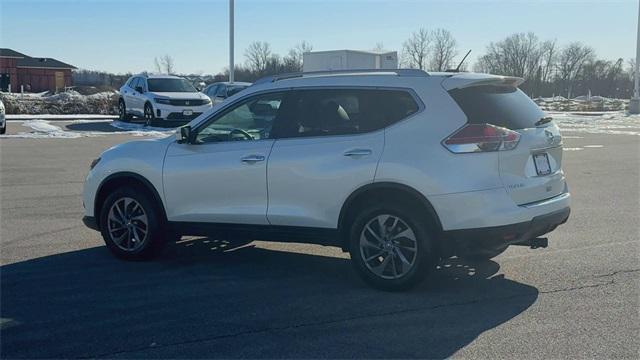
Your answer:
<point x="293" y="61"/>
<point x="571" y="61"/>
<point x="517" y="55"/>
<point x="379" y="47"/>
<point x="165" y="64"/>
<point x="549" y="57"/>
<point x="444" y="49"/>
<point x="258" y="54"/>
<point x="416" y="49"/>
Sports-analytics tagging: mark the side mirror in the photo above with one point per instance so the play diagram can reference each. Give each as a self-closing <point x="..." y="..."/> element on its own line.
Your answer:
<point x="198" y="88"/>
<point x="139" y="89"/>
<point x="184" y="136"/>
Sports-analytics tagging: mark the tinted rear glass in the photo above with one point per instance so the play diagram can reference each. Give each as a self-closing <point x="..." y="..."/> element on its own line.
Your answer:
<point x="170" y="85"/>
<point x="504" y="106"/>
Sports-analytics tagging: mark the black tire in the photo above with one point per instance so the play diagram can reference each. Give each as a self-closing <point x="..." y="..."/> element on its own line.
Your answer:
<point x="423" y="260"/>
<point x="155" y="237"/>
<point x="149" y="117"/>
<point x="484" y="255"/>
<point x="3" y="129"/>
<point x="122" y="111"/>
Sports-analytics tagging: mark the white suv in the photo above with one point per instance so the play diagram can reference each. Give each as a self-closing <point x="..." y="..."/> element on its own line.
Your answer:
<point x="160" y="99"/>
<point x="400" y="168"/>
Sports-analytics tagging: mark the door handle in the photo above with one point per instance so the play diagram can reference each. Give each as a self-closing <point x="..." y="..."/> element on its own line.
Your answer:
<point x="357" y="152"/>
<point x="251" y="159"/>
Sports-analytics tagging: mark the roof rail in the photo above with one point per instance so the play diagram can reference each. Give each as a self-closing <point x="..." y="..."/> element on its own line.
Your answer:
<point x="398" y="72"/>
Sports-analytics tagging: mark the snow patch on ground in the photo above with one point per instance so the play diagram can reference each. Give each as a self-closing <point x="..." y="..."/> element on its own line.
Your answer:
<point x="614" y="123"/>
<point x="141" y="130"/>
<point x="42" y="129"/>
<point x="86" y="117"/>
<point x="581" y="103"/>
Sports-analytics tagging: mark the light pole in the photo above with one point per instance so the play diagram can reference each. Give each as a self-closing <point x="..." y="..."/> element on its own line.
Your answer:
<point x="634" y="104"/>
<point x="231" y="67"/>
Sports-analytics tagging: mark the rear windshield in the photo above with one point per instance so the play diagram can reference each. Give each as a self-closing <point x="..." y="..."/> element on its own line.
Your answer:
<point x="504" y="106"/>
<point x="170" y="85"/>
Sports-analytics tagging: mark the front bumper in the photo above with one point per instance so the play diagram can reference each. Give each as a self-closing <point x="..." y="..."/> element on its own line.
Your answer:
<point x="470" y="241"/>
<point x="175" y="113"/>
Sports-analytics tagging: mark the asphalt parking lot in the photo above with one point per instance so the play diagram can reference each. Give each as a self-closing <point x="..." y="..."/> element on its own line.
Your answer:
<point x="64" y="295"/>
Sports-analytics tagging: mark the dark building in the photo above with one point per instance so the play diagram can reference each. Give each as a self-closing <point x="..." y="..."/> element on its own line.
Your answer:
<point x="35" y="74"/>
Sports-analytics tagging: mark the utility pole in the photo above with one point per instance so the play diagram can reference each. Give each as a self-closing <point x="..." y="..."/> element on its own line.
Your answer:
<point x="634" y="104"/>
<point x="231" y="66"/>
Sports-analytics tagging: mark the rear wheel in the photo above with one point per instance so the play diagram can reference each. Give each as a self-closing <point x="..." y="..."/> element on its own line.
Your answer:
<point x="3" y="129"/>
<point x="131" y="225"/>
<point x="149" y="118"/>
<point x="122" y="111"/>
<point x="391" y="247"/>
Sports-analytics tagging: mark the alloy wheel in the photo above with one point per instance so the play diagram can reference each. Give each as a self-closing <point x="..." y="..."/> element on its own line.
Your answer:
<point x="388" y="246"/>
<point x="128" y="224"/>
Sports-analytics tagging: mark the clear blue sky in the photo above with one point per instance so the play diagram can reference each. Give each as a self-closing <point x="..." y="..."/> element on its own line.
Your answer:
<point x="125" y="36"/>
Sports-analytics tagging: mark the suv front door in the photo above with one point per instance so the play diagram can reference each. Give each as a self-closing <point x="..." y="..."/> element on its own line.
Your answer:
<point x="222" y="176"/>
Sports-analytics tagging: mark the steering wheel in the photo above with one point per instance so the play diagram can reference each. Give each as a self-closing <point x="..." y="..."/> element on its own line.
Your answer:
<point x="241" y="132"/>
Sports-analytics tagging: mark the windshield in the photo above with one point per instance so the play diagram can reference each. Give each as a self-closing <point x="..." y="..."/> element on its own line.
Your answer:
<point x="170" y="85"/>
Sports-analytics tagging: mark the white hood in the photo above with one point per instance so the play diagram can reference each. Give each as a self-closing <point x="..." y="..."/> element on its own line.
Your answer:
<point x="179" y="95"/>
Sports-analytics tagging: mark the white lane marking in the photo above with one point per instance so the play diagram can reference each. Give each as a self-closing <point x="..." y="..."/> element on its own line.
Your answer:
<point x="573" y="149"/>
<point x="594" y="146"/>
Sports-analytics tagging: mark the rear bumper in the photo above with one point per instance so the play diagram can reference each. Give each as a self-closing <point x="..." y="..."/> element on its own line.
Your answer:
<point x="467" y="241"/>
<point x="90" y="222"/>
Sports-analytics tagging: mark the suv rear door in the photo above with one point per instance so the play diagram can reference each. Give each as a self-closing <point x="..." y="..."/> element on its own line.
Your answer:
<point x="532" y="171"/>
<point x="329" y="147"/>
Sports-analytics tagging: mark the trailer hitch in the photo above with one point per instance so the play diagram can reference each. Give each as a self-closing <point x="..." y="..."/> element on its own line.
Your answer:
<point x="534" y="243"/>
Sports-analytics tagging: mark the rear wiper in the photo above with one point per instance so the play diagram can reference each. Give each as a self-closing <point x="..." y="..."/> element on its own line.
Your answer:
<point x="544" y="120"/>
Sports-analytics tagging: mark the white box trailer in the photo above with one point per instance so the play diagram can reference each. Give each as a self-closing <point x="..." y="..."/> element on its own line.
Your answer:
<point x="348" y="60"/>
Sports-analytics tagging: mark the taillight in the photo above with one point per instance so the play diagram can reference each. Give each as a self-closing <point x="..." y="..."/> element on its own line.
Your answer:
<point x="481" y="138"/>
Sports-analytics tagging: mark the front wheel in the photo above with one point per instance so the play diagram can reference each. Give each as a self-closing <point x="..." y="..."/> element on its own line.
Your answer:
<point x="149" y="118"/>
<point x="391" y="247"/>
<point x="131" y="225"/>
<point x="3" y="129"/>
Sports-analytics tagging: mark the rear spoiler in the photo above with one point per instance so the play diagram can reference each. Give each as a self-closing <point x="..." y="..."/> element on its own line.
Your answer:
<point x="469" y="80"/>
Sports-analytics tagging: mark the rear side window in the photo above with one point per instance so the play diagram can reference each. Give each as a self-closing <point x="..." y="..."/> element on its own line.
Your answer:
<point x="504" y="106"/>
<point x="327" y="112"/>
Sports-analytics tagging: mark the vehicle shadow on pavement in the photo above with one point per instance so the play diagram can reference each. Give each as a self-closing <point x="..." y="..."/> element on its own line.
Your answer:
<point x="206" y="298"/>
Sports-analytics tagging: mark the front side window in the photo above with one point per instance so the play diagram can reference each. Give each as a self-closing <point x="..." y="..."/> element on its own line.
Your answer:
<point x="327" y="112"/>
<point x="170" y="85"/>
<point x="251" y="119"/>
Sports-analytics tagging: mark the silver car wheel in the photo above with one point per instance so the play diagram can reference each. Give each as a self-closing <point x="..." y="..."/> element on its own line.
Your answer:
<point x="121" y="110"/>
<point x="127" y="224"/>
<point x="388" y="246"/>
